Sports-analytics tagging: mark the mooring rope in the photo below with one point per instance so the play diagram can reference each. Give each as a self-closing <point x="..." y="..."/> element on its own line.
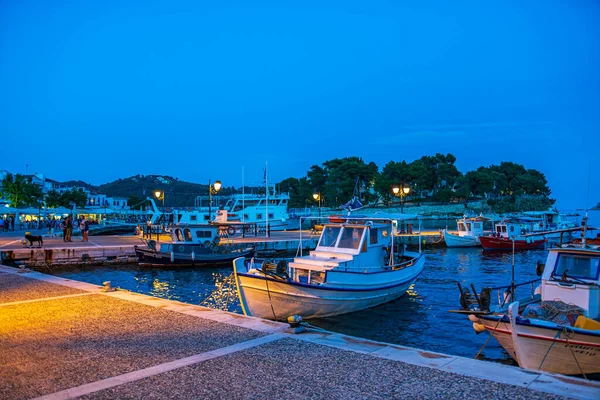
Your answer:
<point x="572" y="352"/>
<point x="488" y="339"/>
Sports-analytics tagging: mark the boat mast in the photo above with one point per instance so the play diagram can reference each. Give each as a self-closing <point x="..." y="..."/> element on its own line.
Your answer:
<point x="267" y="204"/>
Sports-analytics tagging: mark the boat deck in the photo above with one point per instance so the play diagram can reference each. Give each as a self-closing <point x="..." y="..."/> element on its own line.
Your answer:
<point x="65" y="339"/>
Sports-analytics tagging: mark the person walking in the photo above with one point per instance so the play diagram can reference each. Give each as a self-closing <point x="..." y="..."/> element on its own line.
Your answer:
<point x="63" y="226"/>
<point x="85" y="227"/>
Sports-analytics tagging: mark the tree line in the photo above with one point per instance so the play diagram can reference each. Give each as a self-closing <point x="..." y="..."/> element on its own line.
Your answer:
<point x="19" y="191"/>
<point x="507" y="187"/>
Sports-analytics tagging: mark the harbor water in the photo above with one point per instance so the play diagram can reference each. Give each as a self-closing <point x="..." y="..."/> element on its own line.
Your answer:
<point x="419" y="319"/>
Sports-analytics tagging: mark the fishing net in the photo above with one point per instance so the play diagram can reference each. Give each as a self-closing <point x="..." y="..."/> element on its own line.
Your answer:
<point x="558" y="312"/>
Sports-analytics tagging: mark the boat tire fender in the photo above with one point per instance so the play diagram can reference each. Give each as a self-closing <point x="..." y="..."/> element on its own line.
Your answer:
<point x="231" y="231"/>
<point x="216" y="240"/>
<point x="207" y="243"/>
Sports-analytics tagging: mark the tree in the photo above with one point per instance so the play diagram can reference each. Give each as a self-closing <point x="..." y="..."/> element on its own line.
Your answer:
<point x="393" y="173"/>
<point x="341" y="178"/>
<point x="73" y="196"/>
<point x="20" y="191"/>
<point x="53" y="199"/>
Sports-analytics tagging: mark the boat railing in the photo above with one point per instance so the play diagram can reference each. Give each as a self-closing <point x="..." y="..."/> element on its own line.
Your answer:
<point x="473" y="300"/>
<point x="503" y="293"/>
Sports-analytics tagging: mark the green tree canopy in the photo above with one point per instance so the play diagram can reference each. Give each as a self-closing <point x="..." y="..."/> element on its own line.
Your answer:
<point x="19" y="191"/>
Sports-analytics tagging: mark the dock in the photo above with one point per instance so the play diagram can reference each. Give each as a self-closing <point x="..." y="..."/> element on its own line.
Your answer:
<point x="101" y="250"/>
<point x="63" y="339"/>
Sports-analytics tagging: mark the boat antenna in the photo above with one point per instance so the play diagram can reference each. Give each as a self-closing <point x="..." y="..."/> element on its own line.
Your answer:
<point x="587" y="203"/>
<point x="243" y="198"/>
<point x="512" y="281"/>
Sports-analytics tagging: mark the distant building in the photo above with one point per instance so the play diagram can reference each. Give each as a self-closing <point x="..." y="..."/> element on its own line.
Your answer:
<point x="117" y="203"/>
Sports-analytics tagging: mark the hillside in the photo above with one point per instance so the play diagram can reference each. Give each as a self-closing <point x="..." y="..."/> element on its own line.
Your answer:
<point x="177" y="193"/>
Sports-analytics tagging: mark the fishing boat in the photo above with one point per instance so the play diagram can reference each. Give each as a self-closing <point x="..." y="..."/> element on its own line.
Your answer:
<point x="511" y="235"/>
<point x="469" y="230"/>
<point x="356" y="265"/>
<point x="191" y="245"/>
<point x="562" y="333"/>
<point x="558" y="330"/>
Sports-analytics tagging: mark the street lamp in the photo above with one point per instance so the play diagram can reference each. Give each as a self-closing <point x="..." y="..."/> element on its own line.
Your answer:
<point x="160" y="195"/>
<point x="317" y="197"/>
<point x="401" y="192"/>
<point x="212" y="189"/>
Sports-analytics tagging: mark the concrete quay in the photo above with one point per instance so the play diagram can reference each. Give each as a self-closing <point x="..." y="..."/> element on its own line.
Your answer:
<point x="120" y="249"/>
<point x="62" y="339"/>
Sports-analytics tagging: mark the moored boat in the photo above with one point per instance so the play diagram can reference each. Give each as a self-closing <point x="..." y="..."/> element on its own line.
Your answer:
<point x="561" y="333"/>
<point x="469" y="230"/>
<point x="192" y="245"/>
<point x="509" y="236"/>
<point x="356" y="265"/>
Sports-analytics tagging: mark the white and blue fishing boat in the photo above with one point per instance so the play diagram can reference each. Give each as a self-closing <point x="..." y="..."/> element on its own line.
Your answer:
<point x="356" y="265"/>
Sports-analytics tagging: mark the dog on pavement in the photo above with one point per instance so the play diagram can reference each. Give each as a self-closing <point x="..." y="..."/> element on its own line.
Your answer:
<point x="33" y="239"/>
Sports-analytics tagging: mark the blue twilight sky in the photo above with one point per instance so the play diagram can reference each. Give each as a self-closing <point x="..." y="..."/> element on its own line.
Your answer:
<point x="198" y="89"/>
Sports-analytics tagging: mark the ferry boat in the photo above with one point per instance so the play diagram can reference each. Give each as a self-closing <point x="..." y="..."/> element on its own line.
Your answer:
<point x="356" y="265"/>
<point x="192" y="245"/>
<point x="249" y="210"/>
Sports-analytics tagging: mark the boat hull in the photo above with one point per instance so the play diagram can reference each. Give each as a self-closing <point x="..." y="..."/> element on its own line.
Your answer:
<point x="500" y="243"/>
<point x="453" y="240"/>
<point x="272" y="298"/>
<point x="541" y="345"/>
<point x="151" y="258"/>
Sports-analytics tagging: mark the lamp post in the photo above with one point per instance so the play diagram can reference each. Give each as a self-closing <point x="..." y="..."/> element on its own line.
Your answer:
<point x="160" y="195"/>
<point x="212" y="189"/>
<point x="317" y="197"/>
<point x="401" y="191"/>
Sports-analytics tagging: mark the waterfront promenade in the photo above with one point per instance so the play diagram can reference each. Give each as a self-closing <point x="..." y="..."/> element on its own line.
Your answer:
<point x="65" y="339"/>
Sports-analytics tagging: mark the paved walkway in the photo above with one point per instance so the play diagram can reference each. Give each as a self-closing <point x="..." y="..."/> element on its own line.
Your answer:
<point x="66" y="339"/>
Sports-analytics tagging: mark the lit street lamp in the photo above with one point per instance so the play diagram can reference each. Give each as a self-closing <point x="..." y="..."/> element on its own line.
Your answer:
<point x="401" y="192"/>
<point x="212" y="189"/>
<point x="317" y="197"/>
<point x="160" y="195"/>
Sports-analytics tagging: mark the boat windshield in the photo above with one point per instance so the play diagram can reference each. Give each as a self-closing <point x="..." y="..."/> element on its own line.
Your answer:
<point x="350" y="238"/>
<point x="329" y="236"/>
<point x="577" y="266"/>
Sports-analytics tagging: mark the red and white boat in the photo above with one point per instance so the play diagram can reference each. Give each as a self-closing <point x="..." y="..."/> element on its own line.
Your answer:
<point x="509" y="236"/>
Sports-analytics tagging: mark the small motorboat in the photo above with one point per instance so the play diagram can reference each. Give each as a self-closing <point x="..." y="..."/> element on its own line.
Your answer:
<point x="509" y="236"/>
<point x="469" y="231"/>
<point x="356" y="265"/>
<point x="192" y="245"/>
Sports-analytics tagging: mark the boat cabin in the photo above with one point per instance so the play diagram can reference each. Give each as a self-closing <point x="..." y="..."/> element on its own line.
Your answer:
<point x="349" y="247"/>
<point x="470" y="226"/>
<point x="509" y="229"/>
<point x="573" y="276"/>
<point x="195" y="234"/>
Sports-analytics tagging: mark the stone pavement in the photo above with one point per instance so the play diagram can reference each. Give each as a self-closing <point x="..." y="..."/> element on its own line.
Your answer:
<point x="66" y="339"/>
